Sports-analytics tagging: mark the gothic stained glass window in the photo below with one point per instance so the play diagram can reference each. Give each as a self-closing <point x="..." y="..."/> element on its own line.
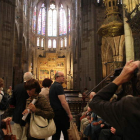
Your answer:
<point x="52" y="21"/>
<point x="34" y="20"/>
<point x="42" y="42"/>
<point x="98" y="1"/>
<point x="39" y="23"/>
<point x="62" y="22"/>
<point x="41" y="20"/>
<point x="54" y="43"/>
<point x="69" y="18"/>
<point x="65" y="39"/>
<point x="49" y="43"/>
<point x="61" y="43"/>
<point x="38" y="44"/>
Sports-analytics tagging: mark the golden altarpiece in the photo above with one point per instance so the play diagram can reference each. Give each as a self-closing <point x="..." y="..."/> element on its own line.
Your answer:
<point x="49" y="65"/>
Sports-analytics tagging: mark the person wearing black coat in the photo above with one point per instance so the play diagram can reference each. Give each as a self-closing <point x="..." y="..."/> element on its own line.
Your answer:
<point x="124" y="115"/>
<point x="18" y="99"/>
<point x="110" y="134"/>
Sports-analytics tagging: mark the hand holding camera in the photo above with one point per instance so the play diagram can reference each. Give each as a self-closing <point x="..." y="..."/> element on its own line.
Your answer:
<point x="127" y="72"/>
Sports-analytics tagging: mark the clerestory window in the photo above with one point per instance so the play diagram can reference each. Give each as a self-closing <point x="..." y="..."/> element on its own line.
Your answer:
<point x="52" y="21"/>
<point x="42" y="20"/>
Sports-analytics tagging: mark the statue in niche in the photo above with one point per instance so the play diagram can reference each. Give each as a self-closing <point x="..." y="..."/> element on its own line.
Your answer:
<point x="53" y="59"/>
<point x="41" y="77"/>
<point x="62" y="64"/>
<point x="51" y="74"/>
<point x="49" y="59"/>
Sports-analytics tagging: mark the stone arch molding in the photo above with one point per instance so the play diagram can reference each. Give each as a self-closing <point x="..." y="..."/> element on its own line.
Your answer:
<point x="112" y="53"/>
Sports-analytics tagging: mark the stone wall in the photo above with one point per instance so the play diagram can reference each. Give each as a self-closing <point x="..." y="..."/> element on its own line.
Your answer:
<point x="7" y="19"/>
<point x="87" y="44"/>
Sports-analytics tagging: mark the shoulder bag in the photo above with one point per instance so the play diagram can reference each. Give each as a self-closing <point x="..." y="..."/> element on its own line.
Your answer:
<point x="41" y="128"/>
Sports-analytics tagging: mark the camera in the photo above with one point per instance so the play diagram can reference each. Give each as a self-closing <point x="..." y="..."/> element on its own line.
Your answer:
<point x="133" y="82"/>
<point x="119" y="70"/>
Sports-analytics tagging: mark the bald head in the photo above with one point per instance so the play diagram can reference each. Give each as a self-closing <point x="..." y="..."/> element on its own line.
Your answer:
<point x="27" y="76"/>
<point x="58" y="73"/>
<point x="59" y="77"/>
<point x="92" y="94"/>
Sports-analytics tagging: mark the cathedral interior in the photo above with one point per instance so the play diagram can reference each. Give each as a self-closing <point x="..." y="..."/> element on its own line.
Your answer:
<point x="85" y="39"/>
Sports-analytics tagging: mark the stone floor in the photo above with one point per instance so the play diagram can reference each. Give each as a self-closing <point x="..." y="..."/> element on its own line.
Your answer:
<point x="50" y="138"/>
<point x="62" y="138"/>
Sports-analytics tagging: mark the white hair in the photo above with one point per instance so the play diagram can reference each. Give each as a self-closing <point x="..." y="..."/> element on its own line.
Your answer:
<point x="27" y="76"/>
<point x="92" y="94"/>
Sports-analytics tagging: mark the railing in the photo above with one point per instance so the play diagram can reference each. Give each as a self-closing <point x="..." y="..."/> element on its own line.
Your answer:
<point x="99" y="83"/>
<point x="115" y="65"/>
<point x="76" y="106"/>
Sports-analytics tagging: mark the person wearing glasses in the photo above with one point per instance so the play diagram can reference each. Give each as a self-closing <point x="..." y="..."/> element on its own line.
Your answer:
<point x="60" y="106"/>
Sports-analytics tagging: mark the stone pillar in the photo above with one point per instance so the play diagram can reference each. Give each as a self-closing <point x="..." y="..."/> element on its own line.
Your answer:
<point x="7" y="24"/>
<point x="71" y="81"/>
<point x="129" y="44"/>
<point x="68" y="70"/>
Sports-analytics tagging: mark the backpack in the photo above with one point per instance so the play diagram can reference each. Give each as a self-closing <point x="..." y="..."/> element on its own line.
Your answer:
<point x="4" y="104"/>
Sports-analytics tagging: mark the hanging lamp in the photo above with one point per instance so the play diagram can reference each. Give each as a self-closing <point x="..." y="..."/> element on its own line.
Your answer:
<point x="113" y="25"/>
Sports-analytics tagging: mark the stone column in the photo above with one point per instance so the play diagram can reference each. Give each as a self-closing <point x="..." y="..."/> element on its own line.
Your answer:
<point x="68" y="70"/>
<point x="129" y="44"/>
<point x="7" y="18"/>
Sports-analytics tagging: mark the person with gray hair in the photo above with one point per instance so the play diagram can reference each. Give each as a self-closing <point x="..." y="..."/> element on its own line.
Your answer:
<point x="18" y="99"/>
<point x="27" y="76"/>
<point x="85" y="121"/>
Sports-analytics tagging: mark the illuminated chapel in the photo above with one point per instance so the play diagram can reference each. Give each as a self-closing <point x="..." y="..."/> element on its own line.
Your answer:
<point x="85" y="39"/>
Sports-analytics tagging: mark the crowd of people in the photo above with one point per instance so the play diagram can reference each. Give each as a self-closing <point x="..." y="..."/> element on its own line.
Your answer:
<point x="93" y="127"/>
<point x="50" y="104"/>
<point x="103" y="118"/>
